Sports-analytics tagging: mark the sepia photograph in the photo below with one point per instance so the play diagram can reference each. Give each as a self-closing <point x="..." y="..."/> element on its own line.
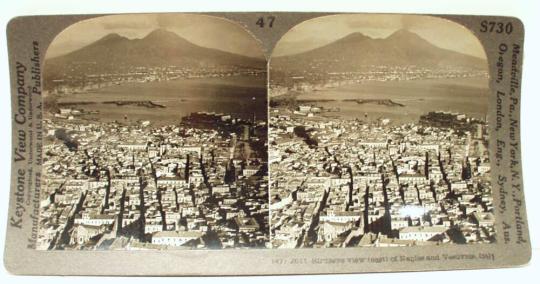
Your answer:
<point x="378" y="134"/>
<point x="155" y="136"/>
<point x="265" y="143"/>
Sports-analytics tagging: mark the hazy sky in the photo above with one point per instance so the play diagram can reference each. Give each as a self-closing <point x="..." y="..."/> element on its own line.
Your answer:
<point x="323" y="30"/>
<point x="202" y="30"/>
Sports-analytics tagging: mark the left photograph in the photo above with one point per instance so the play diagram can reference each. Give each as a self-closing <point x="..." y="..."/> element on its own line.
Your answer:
<point x="155" y="136"/>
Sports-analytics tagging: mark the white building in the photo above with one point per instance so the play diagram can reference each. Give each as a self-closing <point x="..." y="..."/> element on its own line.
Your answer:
<point x="175" y="238"/>
<point x="421" y="233"/>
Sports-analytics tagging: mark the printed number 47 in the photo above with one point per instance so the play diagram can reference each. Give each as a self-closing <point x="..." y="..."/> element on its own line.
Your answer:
<point x="269" y="21"/>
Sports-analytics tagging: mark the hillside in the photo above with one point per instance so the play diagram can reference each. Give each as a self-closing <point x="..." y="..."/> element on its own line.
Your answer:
<point x="356" y="52"/>
<point x="114" y="54"/>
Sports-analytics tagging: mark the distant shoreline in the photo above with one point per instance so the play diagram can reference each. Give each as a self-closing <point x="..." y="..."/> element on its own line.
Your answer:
<point x="277" y="101"/>
<point x="147" y="104"/>
<point x="385" y="102"/>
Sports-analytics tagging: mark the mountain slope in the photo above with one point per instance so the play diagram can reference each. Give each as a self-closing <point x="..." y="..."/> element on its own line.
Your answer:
<point x="160" y="48"/>
<point x="402" y="48"/>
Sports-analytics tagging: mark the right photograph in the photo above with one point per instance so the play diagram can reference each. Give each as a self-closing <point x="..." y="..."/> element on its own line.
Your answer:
<point x="378" y="134"/>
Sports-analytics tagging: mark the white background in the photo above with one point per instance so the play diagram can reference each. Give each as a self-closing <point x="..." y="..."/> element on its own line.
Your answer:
<point x="527" y="11"/>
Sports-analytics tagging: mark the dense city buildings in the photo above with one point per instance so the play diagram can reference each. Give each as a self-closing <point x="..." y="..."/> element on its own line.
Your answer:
<point x="378" y="135"/>
<point x="339" y="182"/>
<point x="155" y="136"/>
<point x="114" y="186"/>
<point x="368" y="140"/>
